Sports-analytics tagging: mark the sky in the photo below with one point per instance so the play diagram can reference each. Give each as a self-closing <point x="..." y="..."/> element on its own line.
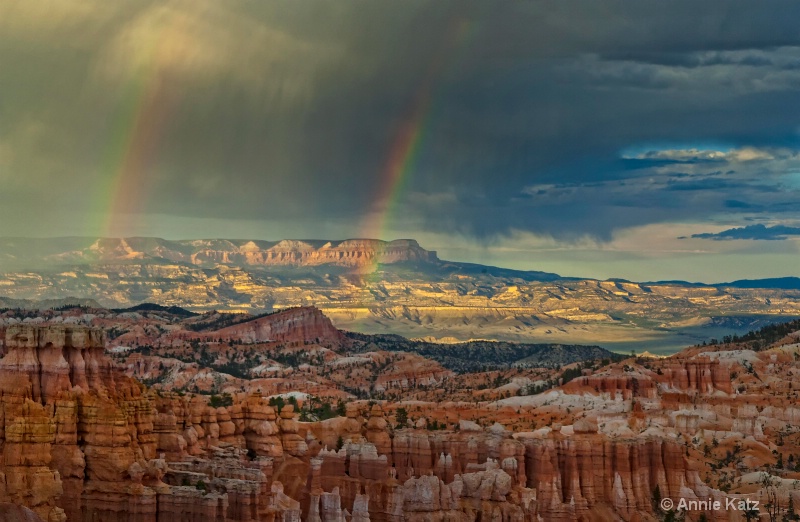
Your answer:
<point x="645" y="140"/>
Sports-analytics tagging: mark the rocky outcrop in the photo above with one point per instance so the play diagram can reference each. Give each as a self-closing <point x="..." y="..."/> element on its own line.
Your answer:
<point x="298" y="325"/>
<point x="15" y="513"/>
<point x="573" y="476"/>
<point x="617" y="383"/>
<point x="80" y="441"/>
<point x="350" y="253"/>
<point x="28" y="476"/>
<point x="42" y="362"/>
<point x="72" y="425"/>
<point x="288" y="252"/>
<point x="695" y="375"/>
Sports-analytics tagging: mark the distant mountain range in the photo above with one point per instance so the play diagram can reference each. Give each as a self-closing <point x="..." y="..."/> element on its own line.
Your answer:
<point x="37" y="253"/>
<point x="394" y="287"/>
<point x="785" y="283"/>
<point x="209" y="252"/>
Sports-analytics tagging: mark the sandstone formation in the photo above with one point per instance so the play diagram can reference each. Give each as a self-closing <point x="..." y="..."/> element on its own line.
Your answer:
<point x="16" y="513"/>
<point x="288" y="252"/>
<point x="303" y="324"/>
<point x="81" y="441"/>
<point x="351" y="253"/>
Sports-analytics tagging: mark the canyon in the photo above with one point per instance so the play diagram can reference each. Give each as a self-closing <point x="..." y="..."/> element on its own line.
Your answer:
<point x="83" y="438"/>
<point x="373" y="286"/>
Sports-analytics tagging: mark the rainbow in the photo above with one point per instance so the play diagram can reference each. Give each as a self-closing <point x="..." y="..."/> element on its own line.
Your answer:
<point x="145" y="103"/>
<point x="132" y="142"/>
<point x="411" y="134"/>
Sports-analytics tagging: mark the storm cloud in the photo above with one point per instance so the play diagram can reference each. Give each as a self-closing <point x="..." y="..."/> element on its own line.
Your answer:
<point x="755" y="232"/>
<point x="563" y="119"/>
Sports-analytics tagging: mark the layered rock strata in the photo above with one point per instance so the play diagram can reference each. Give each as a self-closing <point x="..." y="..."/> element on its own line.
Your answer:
<point x="82" y="442"/>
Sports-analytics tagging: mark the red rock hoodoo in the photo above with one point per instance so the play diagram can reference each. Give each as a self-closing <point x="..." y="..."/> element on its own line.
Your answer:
<point x="83" y="442"/>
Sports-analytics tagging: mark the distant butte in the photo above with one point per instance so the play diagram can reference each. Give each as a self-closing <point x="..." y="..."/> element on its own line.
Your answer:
<point x="287" y="252"/>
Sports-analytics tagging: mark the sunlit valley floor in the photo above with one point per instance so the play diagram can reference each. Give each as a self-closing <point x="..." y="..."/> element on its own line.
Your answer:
<point x="388" y="287"/>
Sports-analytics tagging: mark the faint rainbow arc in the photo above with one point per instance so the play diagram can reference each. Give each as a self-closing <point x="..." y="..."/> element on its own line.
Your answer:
<point x="411" y="134"/>
<point x="132" y="140"/>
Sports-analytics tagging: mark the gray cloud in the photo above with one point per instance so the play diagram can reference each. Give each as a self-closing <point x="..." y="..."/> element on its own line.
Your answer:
<point x="753" y="232"/>
<point x="690" y="185"/>
<point x="733" y="72"/>
<point x="289" y="113"/>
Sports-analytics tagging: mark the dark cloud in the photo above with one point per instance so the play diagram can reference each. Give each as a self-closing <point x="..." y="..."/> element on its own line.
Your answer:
<point x="291" y="112"/>
<point x="755" y="232"/>
<point x="735" y="203"/>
